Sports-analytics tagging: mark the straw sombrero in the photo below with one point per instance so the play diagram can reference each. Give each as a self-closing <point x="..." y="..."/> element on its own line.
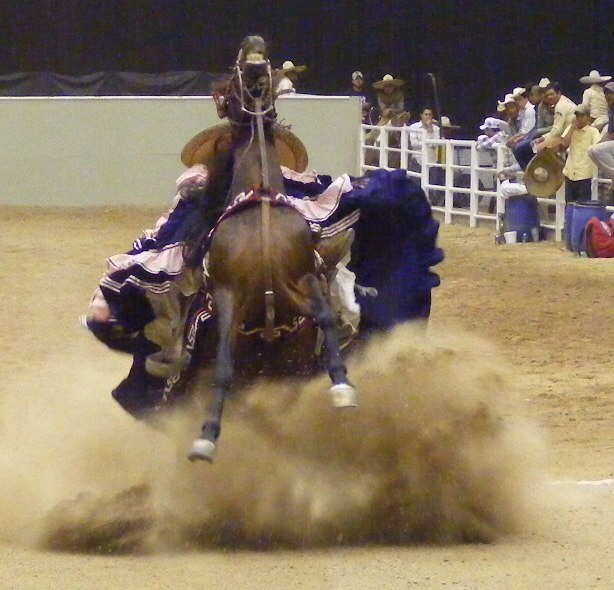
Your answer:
<point x="388" y="80"/>
<point x="201" y="149"/>
<point x="544" y="174"/>
<point x="289" y="66"/>
<point x="594" y="78"/>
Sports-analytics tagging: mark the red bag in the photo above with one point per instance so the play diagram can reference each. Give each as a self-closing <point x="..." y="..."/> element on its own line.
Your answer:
<point x="599" y="238"/>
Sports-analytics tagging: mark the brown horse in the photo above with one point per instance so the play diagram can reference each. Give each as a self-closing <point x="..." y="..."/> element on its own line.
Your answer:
<point x="261" y="260"/>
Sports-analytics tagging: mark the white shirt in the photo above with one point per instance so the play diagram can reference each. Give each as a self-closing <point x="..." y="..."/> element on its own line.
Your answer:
<point x="285" y="86"/>
<point x="527" y="118"/>
<point x="417" y="133"/>
<point x="563" y="114"/>
<point x="594" y="99"/>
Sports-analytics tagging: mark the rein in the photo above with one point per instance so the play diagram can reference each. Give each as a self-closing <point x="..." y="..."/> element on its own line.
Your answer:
<point x="259" y="115"/>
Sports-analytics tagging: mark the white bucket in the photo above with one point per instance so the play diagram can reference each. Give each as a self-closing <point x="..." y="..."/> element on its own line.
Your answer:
<point x="510" y="237"/>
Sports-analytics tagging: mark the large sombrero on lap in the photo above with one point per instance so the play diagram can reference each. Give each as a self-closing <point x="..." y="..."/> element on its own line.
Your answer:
<point x="544" y="174"/>
<point x="202" y="148"/>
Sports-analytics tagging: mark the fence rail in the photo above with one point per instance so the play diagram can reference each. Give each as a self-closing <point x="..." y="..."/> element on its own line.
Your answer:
<point x="458" y="179"/>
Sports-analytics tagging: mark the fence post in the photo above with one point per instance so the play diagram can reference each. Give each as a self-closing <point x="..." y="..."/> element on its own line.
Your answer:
<point x="500" y="209"/>
<point x="404" y="146"/>
<point x="424" y="169"/>
<point x="383" y="147"/>
<point x="361" y="156"/>
<point x="473" y="187"/>
<point x="559" y="218"/>
<point x="449" y="182"/>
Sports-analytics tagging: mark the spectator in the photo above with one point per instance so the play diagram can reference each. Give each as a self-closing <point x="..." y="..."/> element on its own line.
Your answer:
<point x="289" y="76"/>
<point x="526" y="114"/>
<point x="523" y="151"/>
<point x="421" y="130"/>
<point x="578" y="170"/>
<point x="359" y="89"/>
<point x="510" y="111"/>
<point x="564" y="109"/>
<point x="602" y="154"/>
<point x="545" y="113"/>
<point x="594" y="99"/>
<point x="494" y="134"/>
<point x="389" y="94"/>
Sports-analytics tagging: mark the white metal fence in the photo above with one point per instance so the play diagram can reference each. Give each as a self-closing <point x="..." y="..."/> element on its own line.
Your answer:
<point x="459" y="180"/>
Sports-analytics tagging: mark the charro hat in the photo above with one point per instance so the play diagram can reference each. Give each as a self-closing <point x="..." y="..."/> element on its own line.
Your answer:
<point x="544" y="174"/>
<point x="288" y="66"/>
<point x="594" y="78"/>
<point x="357" y="74"/>
<point x="543" y="82"/>
<point x="202" y="148"/>
<point x="388" y="80"/>
<point x="445" y="122"/>
<point x="518" y="91"/>
<point x="507" y="100"/>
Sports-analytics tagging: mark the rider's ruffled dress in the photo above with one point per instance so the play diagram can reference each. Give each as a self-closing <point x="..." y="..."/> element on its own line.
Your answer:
<point x="144" y="293"/>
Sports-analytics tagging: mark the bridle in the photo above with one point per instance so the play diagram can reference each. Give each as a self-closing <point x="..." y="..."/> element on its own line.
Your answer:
<point x="239" y="91"/>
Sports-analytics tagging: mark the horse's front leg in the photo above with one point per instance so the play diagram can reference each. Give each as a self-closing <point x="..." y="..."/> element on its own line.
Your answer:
<point x="342" y="392"/>
<point x="203" y="448"/>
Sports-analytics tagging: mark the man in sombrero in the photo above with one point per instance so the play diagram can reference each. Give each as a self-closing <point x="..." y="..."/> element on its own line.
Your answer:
<point x="389" y="94"/>
<point x="593" y="98"/>
<point x="288" y="77"/>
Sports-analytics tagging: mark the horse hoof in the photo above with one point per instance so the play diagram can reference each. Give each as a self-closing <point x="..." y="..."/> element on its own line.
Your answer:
<point x="202" y="450"/>
<point x="344" y="396"/>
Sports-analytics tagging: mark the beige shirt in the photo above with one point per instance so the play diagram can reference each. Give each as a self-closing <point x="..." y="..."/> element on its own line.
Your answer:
<point x="563" y="115"/>
<point x="594" y="99"/>
<point x="579" y="166"/>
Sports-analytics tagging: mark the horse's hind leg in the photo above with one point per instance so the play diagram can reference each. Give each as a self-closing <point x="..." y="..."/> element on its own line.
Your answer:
<point x="203" y="448"/>
<point x="342" y="391"/>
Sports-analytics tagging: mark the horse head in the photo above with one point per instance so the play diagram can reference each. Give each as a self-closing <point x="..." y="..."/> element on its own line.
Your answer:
<point x="251" y="88"/>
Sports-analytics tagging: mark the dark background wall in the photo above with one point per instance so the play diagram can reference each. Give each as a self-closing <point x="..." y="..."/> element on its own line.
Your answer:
<point x="477" y="50"/>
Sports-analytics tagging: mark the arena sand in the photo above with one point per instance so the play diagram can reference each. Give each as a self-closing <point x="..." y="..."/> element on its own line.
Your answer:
<point x="441" y="449"/>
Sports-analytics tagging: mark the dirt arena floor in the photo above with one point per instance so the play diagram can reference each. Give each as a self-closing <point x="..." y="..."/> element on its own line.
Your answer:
<point x="519" y="333"/>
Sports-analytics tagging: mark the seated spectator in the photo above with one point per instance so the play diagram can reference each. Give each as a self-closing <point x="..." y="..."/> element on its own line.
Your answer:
<point x="564" y="109"/>
<point x="511" y="113"/>
<point x="494" y="134"/>
<point x="602" y="154"/>
<point x="545" y="113"/>
<point x="523" y="151"/>
<point x="593" y="98"/>
<point x="526" y="114"/>
<point x="578" y="170"/>
<point x="389" y="94"/>
<point x="289" y="77"/>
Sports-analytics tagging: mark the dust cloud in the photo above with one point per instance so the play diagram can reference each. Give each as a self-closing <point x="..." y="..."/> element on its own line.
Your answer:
<point x="439" y="451"/>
